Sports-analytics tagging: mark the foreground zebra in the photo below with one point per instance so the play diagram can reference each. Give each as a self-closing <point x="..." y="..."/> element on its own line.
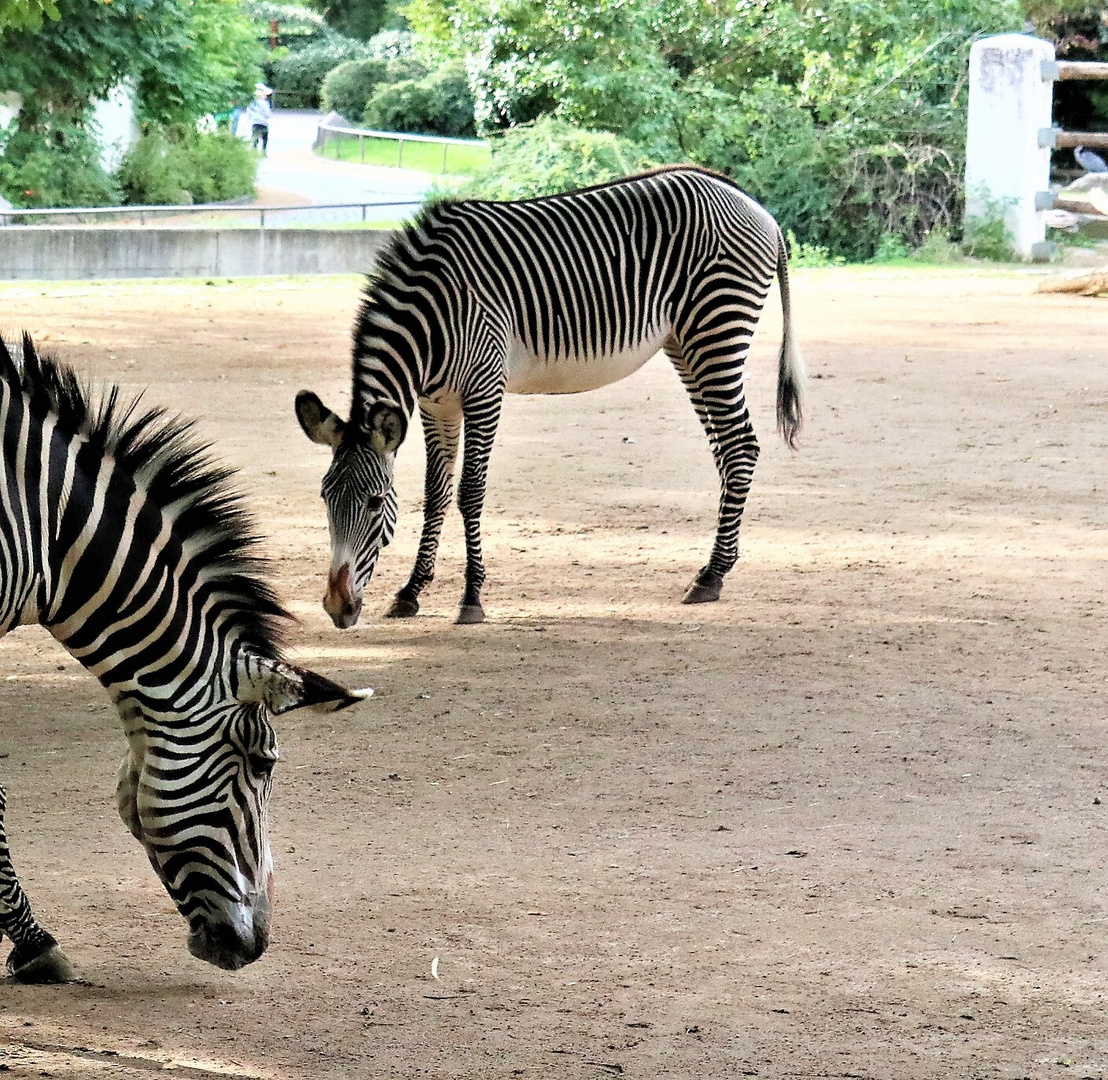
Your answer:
<point x="120" y="536"/>
<point x="546" y="296"/>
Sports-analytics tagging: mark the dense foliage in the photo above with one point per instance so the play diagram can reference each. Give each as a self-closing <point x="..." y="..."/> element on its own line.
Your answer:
<point x="845" y="117"/>
<point x="438" y="104"/>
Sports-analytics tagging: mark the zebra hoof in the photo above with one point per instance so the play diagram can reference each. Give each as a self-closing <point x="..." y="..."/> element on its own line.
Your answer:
<point x="706" y="588"/>
<point x="469" y="614"/>
<point x="402" y="608"/>
<point x="49" y="966"/>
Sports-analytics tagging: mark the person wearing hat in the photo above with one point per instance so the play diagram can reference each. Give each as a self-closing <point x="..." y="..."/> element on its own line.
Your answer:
<point x="258" y="113"/>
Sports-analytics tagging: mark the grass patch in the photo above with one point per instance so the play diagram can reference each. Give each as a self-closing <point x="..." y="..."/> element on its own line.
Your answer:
<point x="418" y="156"/>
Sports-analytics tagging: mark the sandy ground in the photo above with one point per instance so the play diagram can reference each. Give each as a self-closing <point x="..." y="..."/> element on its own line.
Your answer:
<point x="847" y="822"/>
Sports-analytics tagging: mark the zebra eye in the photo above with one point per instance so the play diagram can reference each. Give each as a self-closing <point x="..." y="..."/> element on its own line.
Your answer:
<point x="261" y="766"/>
<point x="374" y="502"/>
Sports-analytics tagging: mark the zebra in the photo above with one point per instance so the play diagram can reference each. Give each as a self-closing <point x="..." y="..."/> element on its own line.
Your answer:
<point x="121" y="536"/>
<point x="552" y="295"/>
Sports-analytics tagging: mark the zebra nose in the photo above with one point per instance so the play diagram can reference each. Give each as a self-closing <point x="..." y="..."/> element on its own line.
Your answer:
<point x="339" y="601"/>
<point x="228" y="946"/>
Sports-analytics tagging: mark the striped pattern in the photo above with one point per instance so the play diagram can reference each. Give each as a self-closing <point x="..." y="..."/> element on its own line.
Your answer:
<point x="119" y="535"/>
<point x="553" y="295"/>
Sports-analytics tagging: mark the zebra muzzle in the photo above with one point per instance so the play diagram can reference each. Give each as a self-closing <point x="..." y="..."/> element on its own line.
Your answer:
<point x="339" y="601"/>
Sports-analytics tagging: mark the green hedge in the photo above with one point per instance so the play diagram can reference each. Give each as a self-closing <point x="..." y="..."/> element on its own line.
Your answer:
<point x="439" y="104"/>
<point x="298" y="77"/>
<point x="348" y="87"/>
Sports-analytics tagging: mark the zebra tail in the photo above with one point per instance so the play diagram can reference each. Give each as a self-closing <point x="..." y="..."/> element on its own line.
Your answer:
<point x="790" y="364"/>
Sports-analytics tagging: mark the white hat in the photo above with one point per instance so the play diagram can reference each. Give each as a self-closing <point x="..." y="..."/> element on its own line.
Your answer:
<point x="261" y="88"/>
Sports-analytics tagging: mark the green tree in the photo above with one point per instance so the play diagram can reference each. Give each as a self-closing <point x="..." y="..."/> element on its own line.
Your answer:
<point x="213" y="59"/>
<point x="185" y="57"/>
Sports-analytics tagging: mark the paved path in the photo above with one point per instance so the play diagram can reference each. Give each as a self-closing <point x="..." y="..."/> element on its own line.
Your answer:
<point x="291" y="173"/>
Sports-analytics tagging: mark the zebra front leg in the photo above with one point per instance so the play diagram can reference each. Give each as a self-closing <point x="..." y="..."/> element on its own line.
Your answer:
<point x="36" y="957"/>
<point x="481" y="419"/>
<point x="440" y="432"/>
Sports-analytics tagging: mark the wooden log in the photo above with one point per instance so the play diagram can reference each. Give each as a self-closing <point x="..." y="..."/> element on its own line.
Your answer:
<point x="1090" y="283"/>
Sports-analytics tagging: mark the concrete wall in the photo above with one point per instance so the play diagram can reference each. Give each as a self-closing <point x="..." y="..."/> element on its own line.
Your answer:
<point x="41" y="252"/>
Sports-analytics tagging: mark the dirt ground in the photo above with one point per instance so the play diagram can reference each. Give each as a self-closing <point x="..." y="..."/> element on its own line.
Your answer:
<point x="847" y="822"/>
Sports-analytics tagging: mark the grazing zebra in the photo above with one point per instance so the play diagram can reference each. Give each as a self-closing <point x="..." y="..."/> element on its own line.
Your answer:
<point x="546" y="296"/>
<point x="120" y="536"/>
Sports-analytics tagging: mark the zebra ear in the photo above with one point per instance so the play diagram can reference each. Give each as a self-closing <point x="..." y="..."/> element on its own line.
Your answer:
<point x="319" y="423"/>
<point x="282" y="687"/>
<point x="386" y="428"/>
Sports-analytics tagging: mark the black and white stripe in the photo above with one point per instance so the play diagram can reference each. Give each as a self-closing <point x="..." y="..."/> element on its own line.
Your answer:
<point x="552" y="295"/>
<point x="122" y="538"/>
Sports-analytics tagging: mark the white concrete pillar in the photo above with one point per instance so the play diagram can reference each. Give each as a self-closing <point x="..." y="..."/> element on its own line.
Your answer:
<point x="113" y="120"/>
<point x="1009" y="103"/>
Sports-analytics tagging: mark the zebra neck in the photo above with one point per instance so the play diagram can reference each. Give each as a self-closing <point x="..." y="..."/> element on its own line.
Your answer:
<point x="130" y="602"/>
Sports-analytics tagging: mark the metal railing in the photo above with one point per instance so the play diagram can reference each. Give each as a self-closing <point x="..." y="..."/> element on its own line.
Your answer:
<point x="142" y="213"/>
<point x="327" y="131"/>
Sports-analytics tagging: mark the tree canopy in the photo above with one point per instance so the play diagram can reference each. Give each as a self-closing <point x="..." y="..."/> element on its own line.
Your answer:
<point x="185" y="56"/>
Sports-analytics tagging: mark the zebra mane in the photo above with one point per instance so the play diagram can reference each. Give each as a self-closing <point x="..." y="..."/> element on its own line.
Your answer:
<point x="165" y="459"/>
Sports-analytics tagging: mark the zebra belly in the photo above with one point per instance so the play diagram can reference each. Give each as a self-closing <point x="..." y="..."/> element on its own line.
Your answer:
<point x="529" y="373"/>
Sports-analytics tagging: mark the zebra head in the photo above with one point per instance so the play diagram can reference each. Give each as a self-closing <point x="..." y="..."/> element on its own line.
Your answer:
<point x="194" y="788"/>
<point x="358" y="493"/>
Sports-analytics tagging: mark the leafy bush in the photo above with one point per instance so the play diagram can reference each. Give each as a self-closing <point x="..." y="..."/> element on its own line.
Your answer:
<point x="938" y="249"/>
<point x="891" y="249"/>
<point x="348" y="88"/>
<point x="551" y="156"/>
<point x="439" y="104"/>
<point x="60" y="169"/>
<point x="986" y="234"/>
<point x="298" y="76"/>
<point x="811" y="256"/>
<point x="181" y="166"/>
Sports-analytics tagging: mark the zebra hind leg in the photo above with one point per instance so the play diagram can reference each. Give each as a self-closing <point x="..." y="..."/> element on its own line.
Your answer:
<point x="708" y="583"/>
<point x="715" y="387"/>
<point x="36" y="957"/>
